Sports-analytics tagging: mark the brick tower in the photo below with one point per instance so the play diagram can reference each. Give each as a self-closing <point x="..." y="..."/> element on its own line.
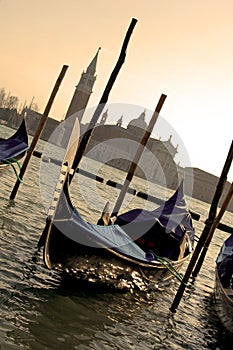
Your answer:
<point x="83" y="90"/>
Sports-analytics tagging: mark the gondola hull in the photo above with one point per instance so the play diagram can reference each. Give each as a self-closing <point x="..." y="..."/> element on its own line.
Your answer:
<point x="15" y="147"/>
<point x="103" y="266"/>
<point x="223" y="303"/>
<point x="108" y="255"/>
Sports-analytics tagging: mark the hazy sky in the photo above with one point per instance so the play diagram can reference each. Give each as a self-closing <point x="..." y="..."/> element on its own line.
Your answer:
<point x="182" y="48"/>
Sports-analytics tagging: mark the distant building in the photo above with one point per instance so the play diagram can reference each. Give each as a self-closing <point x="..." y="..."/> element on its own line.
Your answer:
<point x="116" y="146"/>
<point x="204" y="186"/>
<point x="83" y="90"/>
<point x="77" y="106"/>
<point x="10" y="117"/>
<point x="32" y="121"/>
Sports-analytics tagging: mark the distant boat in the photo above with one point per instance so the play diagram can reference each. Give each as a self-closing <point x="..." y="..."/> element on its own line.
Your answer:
<point x="223" y="290"/>
<point x="15" y="147"/>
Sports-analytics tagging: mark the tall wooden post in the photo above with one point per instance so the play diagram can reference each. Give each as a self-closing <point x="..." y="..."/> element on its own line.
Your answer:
<point x="201" y="240"/>
<point x="86" y="137"/>
<point x="138" y="155"/>
<point x="38" y="131"/>
<point x="213" y="210"/>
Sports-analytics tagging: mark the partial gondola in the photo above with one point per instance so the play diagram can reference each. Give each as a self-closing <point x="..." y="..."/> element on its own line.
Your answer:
<point x="138" y="254"/>
<point x="15" y="147"/>
<point x="223" y="289"/>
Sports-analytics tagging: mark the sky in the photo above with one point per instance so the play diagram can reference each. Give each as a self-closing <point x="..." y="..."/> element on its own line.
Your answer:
<point x="181" y="48"/>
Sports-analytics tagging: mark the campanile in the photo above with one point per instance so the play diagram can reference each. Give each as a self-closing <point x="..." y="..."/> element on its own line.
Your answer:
<point x="83" y="90"/>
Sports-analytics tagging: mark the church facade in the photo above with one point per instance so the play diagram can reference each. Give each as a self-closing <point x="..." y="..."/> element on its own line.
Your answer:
<point x="116" y="146"/>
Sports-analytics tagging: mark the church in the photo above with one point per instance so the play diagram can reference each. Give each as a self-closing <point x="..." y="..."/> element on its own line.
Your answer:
<point x="116" y="145"/>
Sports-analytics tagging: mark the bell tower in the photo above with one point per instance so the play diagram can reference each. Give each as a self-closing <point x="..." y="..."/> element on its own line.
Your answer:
<point x="104" y="117"/>
<point x="83" y="90"/>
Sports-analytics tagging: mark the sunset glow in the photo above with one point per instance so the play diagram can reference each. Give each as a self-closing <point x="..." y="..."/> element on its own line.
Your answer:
<point x="180" y="48"/>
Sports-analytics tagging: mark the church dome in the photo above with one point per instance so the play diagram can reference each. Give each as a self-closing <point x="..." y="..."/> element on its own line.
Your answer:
<point x="138" y="122"/>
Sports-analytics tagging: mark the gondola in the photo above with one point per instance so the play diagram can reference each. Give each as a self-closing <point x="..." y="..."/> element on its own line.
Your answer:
<point x="110" y="256"/>
<point x="223" y="289"/>
<point x="14" y="148"/>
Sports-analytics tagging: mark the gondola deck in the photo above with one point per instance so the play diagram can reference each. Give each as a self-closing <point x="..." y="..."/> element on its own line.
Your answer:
<point x="104" y="254"/>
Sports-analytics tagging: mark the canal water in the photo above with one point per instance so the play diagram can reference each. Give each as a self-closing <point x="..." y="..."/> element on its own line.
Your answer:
<point x="38" y="311"/>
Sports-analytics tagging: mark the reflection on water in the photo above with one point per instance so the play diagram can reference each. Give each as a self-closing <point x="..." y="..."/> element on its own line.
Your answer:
<point x="39" y="312"/>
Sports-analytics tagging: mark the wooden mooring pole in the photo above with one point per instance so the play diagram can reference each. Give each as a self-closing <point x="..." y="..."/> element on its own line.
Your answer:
<point x="217" y="221"/>
<point x="138" y="155"/>
<point x="38" y="131"/>
<point x="202" y="238"/>
<point x="87" y="135"/>
<point x="213" y="210"/>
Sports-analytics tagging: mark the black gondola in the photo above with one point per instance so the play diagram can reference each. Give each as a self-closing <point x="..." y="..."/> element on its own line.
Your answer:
<point x="15" y="147"/>
<point x="111" y="255"/>
<point x="223" y="289"/>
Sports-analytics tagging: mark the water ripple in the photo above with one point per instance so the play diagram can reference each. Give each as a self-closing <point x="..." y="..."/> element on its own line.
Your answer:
<point x="39" y="312"/>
